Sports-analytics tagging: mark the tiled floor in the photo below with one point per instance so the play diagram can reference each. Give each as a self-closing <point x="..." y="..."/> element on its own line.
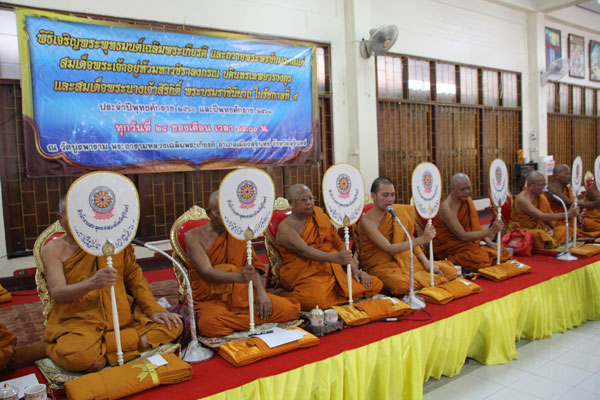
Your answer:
<point x="566" y="366"/>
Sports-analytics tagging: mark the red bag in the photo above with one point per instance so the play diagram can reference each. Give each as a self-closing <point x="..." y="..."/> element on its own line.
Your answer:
<point x="521" y="241"/>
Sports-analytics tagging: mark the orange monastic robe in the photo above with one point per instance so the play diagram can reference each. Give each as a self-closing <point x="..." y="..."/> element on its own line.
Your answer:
<point x="315" y="282"/>
<point x="78" y="332"/>
<point x="394" y="270"/>
<point x="592" y="214"/>
<point x="5" y="295"/>
<point x="8" y="341"/>
<point x="590" y="227"/>
<point x="469" y="255"/>
<point x="545" y="234"/>
<point x="223" y="307"/>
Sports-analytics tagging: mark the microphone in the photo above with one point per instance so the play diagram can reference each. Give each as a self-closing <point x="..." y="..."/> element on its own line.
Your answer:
<point x="390" y="209"/>
<point x="139" y="243"/>
<point x="411" y="299"/>
<point x="193" y="353"/>
<point x="566" y="255"/>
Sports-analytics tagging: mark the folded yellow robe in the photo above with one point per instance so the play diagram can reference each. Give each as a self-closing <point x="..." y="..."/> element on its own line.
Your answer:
<point x="247" y="351"/>
<point x="436" y="295"/>
<point x="449" y="291"/>
<point x="131" y="378"/>
<point x="372" y="310"/>
<point x="505" y="270"/>
<point x="587" y="250"/>
<point x="5" y="295"/>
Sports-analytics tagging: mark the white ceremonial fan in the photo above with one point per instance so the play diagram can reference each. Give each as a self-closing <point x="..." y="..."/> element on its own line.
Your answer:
<point x="246" y="200"/>
<point x="576" y="179"/>
<point x="427" y="195"/>
<point x="344" y="197"/>
<point x="499" y="192"/>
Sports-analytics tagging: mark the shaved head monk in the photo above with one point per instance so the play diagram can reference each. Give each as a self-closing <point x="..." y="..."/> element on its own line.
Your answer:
<point x="560" y="187"/>
<point x="384" y="247"/>
<point x="532" y="212"/>
<point x="79" y="330"/>
<point x="459" y="231"/>
<point x="314" y="257"/>
<point x="220" y="277"/>
<point x="592" y="194"/>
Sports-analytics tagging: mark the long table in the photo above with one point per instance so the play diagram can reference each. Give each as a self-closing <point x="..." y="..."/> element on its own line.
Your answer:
<point x="393" y="359"/>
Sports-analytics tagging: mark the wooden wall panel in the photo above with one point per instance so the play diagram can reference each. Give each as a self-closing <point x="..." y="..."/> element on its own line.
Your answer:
<point x="559" y="138"/>
<point x="457" y="137"/>
<point x="499" y="141"/>
<point x="585" y="141"/>
<point x="452" y="127"/>
<point x="404" y="142"/>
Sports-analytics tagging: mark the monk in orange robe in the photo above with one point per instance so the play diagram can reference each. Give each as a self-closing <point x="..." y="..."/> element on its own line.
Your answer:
<point x="8" y="341"/>
<point x="592" y="194"/>
<point x="79" y="330"/>
<point x="384" y="247"/>
<point x="560" y="187"/>
<point x="459" y="232"/>
<point x="220" y="279"/>
<point x="314" y="257"/>
<point x="532" y="212"/>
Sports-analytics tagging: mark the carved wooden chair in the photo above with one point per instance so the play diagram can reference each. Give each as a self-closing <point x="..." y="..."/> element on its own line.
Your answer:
<point x="192" y="218"/>
<point x="52" y="232"/>
<point x="281" y="210"/>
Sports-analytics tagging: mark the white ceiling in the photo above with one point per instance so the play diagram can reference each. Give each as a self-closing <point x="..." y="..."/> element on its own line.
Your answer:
<point x="591" y="5"/>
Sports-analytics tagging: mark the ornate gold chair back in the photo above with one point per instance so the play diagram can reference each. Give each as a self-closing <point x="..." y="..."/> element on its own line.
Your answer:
<point x="280" y="211"/>
<point x="192" y="218"/>
<point x="52" y="232"/>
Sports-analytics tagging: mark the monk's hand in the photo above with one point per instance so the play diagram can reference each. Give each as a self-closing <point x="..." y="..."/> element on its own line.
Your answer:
<point x="496" y="227"/>
<point x="168" y="318"/>
<point x="573" y="211"/>
<point x="361" y="276"/>
<point x="103" y="278"/>
<point x="428" y="233"/>
<point x="344" y="257"/>
<point x="264" y="305"/>
<point x="437" y="270"/>
<point x="248" y="273"/>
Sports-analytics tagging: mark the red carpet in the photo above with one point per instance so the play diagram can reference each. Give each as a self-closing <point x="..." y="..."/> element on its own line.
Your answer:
<point x="216" y="375"/>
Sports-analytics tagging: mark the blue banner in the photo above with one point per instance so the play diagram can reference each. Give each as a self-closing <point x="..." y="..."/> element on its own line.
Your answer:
<point x="106" y="96"/>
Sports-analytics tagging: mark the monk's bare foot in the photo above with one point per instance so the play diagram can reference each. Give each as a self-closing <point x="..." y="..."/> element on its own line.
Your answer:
<point x="26" y="355"/>
<point x="143" y="343"/>
<point x="101" y="363"/>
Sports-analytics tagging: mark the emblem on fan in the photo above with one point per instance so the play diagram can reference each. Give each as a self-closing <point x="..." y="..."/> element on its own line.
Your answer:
<point x="246" y="194"/>
<point x="498" y="176"/>
<point x="102" y="201"/>
<point x="427" y="181"/>
<point x="344" y="184"/>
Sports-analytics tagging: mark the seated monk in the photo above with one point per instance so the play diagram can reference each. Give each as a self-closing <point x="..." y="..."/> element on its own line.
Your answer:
<point x="560" y="187"/>
<point x="532" y="212"/>
<point x="384" y="248"/>
<point x="13" y="357"/>
<point x="592" y="194"/>
<point x="314" y="257"/>
<point x="80" y="323"/>
<point x="220" y="277"/>
<point x="8" y="341"/>
<point x="459" y="232"/>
